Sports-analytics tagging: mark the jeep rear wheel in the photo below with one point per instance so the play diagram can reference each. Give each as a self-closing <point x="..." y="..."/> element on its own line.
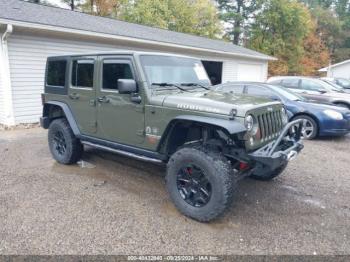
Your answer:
<point x="64" y="146"/>
<point x="200" y="183"/>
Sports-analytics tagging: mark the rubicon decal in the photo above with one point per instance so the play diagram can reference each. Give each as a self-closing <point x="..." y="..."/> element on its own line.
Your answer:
<point x="198" y="108"/>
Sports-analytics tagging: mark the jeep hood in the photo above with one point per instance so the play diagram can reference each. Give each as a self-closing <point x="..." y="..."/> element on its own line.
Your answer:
<point x="215" y="102"/>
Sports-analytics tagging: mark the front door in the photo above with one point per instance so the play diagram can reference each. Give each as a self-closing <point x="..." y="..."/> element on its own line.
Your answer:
<point x="82" y="93"/>
<point x="118" y="118"/>
<point x="312" y="90"/>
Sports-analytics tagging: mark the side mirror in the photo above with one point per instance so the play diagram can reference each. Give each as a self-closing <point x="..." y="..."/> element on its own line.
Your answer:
<point x="322" y="91"/>
<point x="127" y="86"/>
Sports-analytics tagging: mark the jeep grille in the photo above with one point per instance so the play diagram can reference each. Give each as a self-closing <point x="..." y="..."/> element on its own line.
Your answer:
<point x="270" y="125"/>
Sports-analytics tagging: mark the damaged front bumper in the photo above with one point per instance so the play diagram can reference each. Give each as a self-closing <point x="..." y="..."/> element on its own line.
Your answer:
<point x="283" y="149"/>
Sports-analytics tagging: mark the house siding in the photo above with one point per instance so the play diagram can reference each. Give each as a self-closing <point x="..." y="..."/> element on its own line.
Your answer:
<point x="342" y="71"/>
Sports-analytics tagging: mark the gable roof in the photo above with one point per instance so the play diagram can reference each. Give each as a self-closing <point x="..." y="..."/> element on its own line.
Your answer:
<point x="325" y="69"/>
<point x="15" y="11"/>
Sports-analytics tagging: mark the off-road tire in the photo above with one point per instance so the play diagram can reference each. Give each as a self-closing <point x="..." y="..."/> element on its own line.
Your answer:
<point x="216" y="169"/>
<point x="73" y="149"/>
<point x="270" y="175"/>
<point x="313" y="122"/>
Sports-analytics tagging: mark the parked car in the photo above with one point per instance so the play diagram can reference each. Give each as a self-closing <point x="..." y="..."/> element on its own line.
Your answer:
<point x="339" y="82"/>
<point x="314" y="89"/>
<point x="159" y="108"/>
<point x="319" y="119"/>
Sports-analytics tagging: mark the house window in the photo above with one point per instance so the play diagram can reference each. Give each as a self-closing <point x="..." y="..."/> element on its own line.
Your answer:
<point x="56" y="73"/>
<point x="83" y="73"/>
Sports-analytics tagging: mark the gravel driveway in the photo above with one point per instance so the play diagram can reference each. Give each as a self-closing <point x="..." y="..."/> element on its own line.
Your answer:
<point x="114" y="205"/>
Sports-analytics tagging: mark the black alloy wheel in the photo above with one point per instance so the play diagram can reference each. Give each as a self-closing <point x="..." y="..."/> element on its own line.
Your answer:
<point x="59" y="142"/>
<point x="193" y="185"/>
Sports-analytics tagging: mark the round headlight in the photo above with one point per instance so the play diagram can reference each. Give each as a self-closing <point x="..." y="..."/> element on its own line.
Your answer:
<point x="249" y="122"/>
<point x="333" y="114"/>
<point x="284" y="116"/>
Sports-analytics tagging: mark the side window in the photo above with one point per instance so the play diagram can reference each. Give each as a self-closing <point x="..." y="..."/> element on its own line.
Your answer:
<point x="290" y="83"/>
<point x="236" y="89"/>
<point x="259" y="91"/>
<point x="113" y="71"/>
<point x="310" y="85"/>
<point x="56" y="73"/>
<point x="83" y="73"/>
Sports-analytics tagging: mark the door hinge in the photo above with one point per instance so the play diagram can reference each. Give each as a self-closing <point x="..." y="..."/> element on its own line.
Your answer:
<point x="92" y="102"/>
<point x="140" y="132"/>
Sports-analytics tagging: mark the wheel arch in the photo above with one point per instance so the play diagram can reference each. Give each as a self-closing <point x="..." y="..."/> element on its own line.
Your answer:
<point x="55" y="109"/>
<point x="340" y="102"/>
<point x="176" y="126"/>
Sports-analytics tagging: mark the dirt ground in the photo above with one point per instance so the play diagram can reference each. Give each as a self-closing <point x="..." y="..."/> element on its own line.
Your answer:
<point x="110" y="204"/>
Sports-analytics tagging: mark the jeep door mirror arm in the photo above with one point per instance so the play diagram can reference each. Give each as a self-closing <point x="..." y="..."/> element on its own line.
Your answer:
<point x="135" y="98"/>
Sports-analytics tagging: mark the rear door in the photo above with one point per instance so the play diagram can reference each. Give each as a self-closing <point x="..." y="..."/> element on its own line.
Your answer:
<point x="118" y="118"/>
<point x="82" y="93"/>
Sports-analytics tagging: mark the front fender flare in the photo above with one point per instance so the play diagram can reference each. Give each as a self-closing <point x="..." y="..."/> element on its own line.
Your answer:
<point x="231" y="126"/>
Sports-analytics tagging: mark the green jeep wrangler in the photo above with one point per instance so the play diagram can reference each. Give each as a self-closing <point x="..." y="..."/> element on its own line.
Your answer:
<point x="159" y="107"/>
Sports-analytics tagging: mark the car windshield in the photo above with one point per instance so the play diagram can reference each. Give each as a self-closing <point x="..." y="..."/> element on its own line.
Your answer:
<point x="162" y="71"/>
<point x="343" y="82"/>
<point x="329" y="86"/>
<point x="335" y="85"/>
<point x="285" y="93"/>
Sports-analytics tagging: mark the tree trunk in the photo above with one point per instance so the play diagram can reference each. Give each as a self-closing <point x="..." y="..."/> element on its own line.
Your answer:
<point x="72" y="6"/>
<point x="237" y="24"/>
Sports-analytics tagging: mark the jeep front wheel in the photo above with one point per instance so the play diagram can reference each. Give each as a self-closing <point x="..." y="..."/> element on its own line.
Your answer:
<point x="200" y="183"/>
<point x="64" y="146"/>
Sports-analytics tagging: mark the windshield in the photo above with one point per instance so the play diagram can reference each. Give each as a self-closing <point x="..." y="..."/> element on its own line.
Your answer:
<point x="344" y="82"/>
<point x="173" y="70"/>
<point x="329" y="86"/>
<point x="287" y="94"/>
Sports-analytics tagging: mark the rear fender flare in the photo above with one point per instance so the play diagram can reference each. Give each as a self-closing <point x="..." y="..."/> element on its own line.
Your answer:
<point x="68" y="113"/>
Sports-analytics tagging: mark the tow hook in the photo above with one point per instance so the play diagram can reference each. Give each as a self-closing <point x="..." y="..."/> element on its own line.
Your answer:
<point x="291" y="155"/>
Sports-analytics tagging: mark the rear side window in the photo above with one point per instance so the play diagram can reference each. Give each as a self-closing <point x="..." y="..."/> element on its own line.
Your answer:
<point x="290" y="83"/>
<point x="113" y="71"/>
<point x="83" y="73"/>
<point x="56" y="73"/>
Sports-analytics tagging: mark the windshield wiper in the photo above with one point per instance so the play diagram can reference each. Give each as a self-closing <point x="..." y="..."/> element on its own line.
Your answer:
<point x="195" y="84"/>
<point x="169" y="84"/>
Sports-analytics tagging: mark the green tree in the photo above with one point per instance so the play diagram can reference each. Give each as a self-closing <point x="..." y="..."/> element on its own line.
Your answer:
<point x="238" y="15"/>
<point x="279" y="30"/>
<point x="197" y="17"/>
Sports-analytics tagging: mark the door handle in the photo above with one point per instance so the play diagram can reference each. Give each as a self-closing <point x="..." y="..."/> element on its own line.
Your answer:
<point x="136" y="99"/>
<point x="103" y="99"/>
<point x="74" y="96"/>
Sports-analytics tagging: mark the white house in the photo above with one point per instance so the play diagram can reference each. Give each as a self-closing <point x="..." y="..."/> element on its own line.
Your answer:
<point x="30" y="33"/>
<point x="341" y="70"/>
